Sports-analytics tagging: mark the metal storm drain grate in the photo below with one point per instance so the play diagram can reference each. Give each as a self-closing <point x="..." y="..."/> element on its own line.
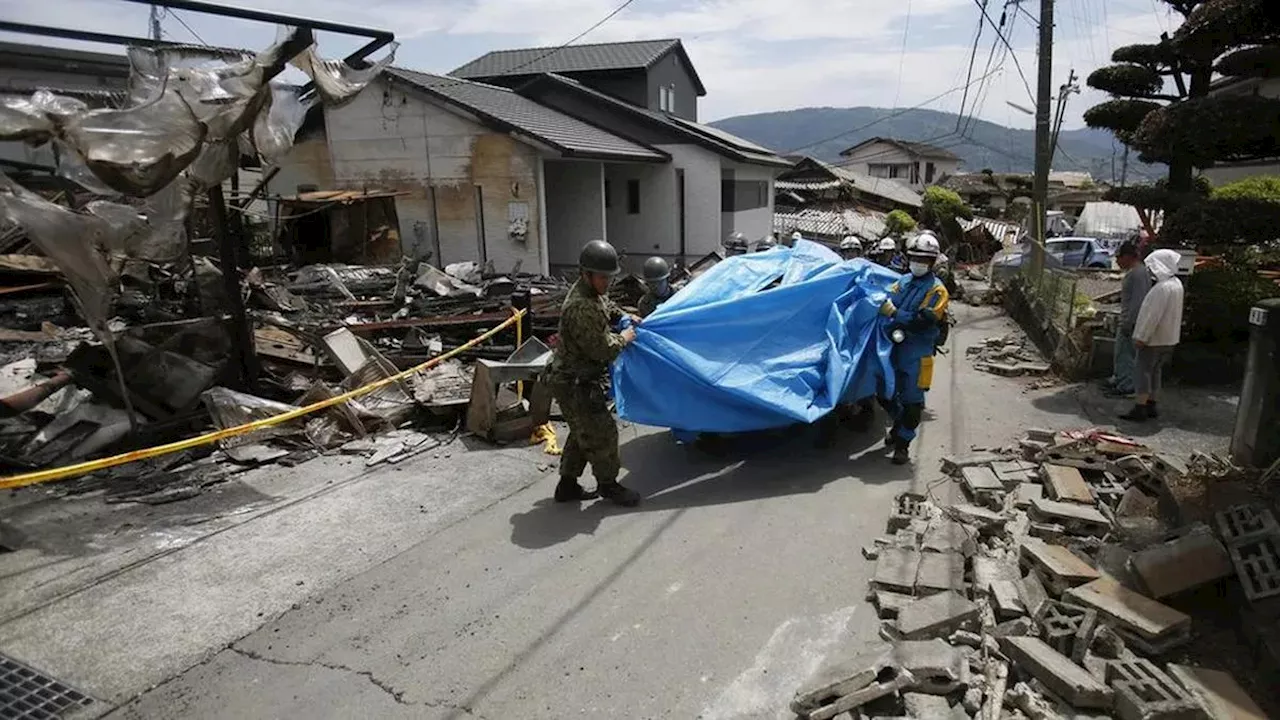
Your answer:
<point x="27" y="694"/>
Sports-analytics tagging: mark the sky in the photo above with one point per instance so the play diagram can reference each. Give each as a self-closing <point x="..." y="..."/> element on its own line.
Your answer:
<point x="753" y="55"/>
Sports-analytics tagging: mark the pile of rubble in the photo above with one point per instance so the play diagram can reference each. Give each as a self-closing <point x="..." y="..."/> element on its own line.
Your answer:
<point x="1010" y="355"/>
<point x="1020" y="600"/>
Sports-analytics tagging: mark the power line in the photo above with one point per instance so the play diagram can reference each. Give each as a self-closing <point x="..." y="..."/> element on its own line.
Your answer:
<point x="973" y="54"/>
<point x="891" y="115"/>
<point x="184" y="24"/>
<point x="985" y="87"/>
<point x="902" y="56"/>
<point x="1005" y="40"/>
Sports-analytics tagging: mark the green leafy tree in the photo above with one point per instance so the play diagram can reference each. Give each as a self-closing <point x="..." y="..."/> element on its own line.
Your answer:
<point x="899" y="222"/>
<point x="940" y="210"/>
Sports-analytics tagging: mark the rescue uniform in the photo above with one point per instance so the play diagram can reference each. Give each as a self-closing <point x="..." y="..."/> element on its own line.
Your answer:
<point x="578" y="377"/>
<point x="920" y="304"/>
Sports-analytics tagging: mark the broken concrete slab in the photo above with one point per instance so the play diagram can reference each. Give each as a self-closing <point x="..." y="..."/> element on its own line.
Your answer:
<point x="1061" y="568"/>
<point x="1183" y="563"/>
<point x="841" y="675"/>
<point x="889" y="604"/>
<point x="861" y="697"/>
<point x="1069" y="681"/>
<point x="908" y="506"/>
<point x="988" y="570"/>
<point x="1150" y="625"/>
<point x="1032" y="591"/>
<point x="940" y="571"/>
<point x="1144" y="692"/>
<point x="984" y="518"/>
<point x="1006" y="601"/>
<point x="1136" y="503"/>
<point x="1014" y="628"/>
<point x="1026" y="493"/>
<point x="953" y="465"/>
<point x="1066" y="484"/>
<point x="1217" y="693"/>
<point x="936" y="616"/>
<point x="945" y="535"/>
<point x="939" y="668"/>
<point x="1074" y="516"/>
<point x="1013" y="472"/>
<point x="921" y="705"/>
<point x="980" y="481"/>
<point x="896" y="569"/>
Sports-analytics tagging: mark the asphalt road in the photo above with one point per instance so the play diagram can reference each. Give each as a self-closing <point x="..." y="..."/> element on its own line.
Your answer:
<point x="714" y="599"/>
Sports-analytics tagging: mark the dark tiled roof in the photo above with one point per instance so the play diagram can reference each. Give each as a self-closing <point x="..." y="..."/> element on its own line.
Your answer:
<point x="915" y="148"/>
<point x="600" y="57"/>
<point x="508" y="109"/>
<point x="886" y="188"/>
<point x="715" y="139"/>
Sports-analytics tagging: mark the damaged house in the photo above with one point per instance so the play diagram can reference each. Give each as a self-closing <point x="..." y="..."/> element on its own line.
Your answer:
<point x="522" y="156"/>
<point x="828" y="202"/>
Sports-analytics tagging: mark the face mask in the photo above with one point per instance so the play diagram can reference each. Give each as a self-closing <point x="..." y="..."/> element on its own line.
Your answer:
<point x="919" y="269"/>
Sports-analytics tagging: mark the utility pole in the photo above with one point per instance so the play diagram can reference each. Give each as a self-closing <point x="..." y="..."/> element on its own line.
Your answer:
<point x="1040" y="189"/>
<point x="1124" y="168"/>
<point x="1064" y="93"/>
<point x="155" y="23"/>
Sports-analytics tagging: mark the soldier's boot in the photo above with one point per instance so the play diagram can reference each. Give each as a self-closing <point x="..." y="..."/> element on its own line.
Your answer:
<point x="568" y="490"/>
<point x="615" y="493"/>
<point x="901" y="454"/>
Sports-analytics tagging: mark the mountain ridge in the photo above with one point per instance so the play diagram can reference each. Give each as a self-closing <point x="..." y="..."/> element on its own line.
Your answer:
<point x="823" y="132"/>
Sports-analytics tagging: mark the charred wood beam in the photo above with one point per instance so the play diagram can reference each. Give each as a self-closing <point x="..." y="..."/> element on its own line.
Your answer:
<point x="244" y="360"/>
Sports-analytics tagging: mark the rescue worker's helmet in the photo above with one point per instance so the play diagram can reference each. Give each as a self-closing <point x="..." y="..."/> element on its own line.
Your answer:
<point x="656" y="269"/>
<point x="766" y="243"/>
<point x="599" y="256"/>
<point x="850" y="244"/>
<point x="796" y="236"/>
<point x="736" y="242"/>
<point x="924" y="248"/>
<point x="888" y="245"/>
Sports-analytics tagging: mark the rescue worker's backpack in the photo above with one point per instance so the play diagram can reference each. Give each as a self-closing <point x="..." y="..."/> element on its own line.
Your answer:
<point x="944" y="330"/>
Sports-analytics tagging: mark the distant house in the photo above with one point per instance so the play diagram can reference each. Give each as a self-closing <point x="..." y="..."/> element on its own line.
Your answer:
<point x="1223" y="173"/>
<point x="812" y="182"/>
<point x="994" y="193"/>
<point x="914" y="163"/>
<point x="653" y="74"/>
<point x="529" y="165"/>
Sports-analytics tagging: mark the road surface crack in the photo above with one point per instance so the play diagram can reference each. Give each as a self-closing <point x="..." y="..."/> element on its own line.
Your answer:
<point x="384" y="686"/>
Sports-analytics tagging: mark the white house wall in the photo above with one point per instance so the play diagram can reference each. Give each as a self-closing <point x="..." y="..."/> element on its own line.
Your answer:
<point x="388" y="138"/>
<point x="756" y="222"/>
<point x="575" y="208"/>
<point x="702" y="199"/>
<point x="650" y="231"/>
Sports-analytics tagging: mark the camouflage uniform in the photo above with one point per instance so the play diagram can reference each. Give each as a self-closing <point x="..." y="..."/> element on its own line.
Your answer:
<point x="577" y="378"/>
<point x="650" y="302"/>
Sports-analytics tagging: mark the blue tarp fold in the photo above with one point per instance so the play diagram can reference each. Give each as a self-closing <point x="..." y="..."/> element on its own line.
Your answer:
<point x="735" y="352"/>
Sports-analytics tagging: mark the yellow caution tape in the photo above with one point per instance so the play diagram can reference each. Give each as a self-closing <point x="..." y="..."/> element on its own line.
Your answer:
<point x="66" y="471"/>
<point x="547" y="435"/>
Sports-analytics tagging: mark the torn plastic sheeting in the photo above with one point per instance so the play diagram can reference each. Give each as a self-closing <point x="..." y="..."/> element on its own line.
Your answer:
<point x="34" y="119"/>
<point x="337" y="81"/>
<point x="230" y="408"/>
<point x="278" y="122"/>
<point x="730" y="353"/>
<point x="443" y="284"/>
<point x="75" y="242"/>
<point x="139" y="150"/>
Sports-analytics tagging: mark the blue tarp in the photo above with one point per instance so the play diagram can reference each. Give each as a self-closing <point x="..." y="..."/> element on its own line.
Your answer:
<point x="733" y="352"/>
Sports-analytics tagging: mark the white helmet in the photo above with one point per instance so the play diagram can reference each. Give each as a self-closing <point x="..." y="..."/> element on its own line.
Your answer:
<point x="796" y="236"/>
<point x="850" y="243"/>
<point x="888" y="245"/>
<point x="924" y="245"/>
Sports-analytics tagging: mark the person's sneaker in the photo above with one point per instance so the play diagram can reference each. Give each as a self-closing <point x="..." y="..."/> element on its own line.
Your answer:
<point x="570" y="491"/>
<point x="619" y="495"/>
<point x="901" y="454"/>
<point x="1139" y="413"/>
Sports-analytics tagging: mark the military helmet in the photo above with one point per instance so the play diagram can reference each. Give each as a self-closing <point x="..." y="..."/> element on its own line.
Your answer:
<point x="656" y="269"/>
<point x="736" y="241"/>
<point x="768" y="242"/>
<point x="599" y="256"/>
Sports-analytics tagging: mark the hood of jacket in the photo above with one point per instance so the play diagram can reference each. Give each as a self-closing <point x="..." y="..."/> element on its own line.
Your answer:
<point x="1163" y="264"/>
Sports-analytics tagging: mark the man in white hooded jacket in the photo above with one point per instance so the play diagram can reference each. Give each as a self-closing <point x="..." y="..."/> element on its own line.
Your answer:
<point x="1158" y="330"/>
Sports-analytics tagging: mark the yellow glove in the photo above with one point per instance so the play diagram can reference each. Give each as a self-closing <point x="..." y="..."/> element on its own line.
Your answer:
<point x="887" y="309"/>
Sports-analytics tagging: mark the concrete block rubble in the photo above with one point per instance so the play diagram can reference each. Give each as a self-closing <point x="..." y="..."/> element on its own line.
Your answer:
<point x="1010" y="355"/>
<point x="1041" y="591"/>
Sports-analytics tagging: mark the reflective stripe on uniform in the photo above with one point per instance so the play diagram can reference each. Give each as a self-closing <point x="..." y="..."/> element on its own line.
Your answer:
<point x="925" y="379"/>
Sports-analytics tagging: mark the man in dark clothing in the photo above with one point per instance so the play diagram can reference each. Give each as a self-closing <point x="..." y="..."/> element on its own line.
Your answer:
<point x="1137" y="281"/>
<point x="657" y="274"/>
<point x="578" y="375"/>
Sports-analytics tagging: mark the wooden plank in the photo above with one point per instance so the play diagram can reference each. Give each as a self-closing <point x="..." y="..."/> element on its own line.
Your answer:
<point x="1066" y="484"/>
<point x="1146" y="617"/>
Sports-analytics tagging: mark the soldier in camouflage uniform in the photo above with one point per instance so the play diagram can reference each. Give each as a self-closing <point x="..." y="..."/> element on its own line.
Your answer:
<point x="578" y="374"/>
<point x="656" y="275"/>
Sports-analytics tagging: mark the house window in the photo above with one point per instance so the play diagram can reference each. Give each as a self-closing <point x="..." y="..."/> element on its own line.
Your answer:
<point x="915" y="173"/>
<point x="633" y="197"/>
<point x="667" y="98"/>
<point x="929" y="170"/>
<point x="608" y="195"/>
